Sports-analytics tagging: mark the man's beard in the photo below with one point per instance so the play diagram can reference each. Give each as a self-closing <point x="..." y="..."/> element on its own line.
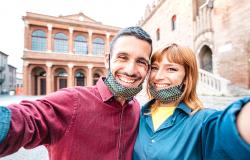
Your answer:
<point x="120" y="91"/>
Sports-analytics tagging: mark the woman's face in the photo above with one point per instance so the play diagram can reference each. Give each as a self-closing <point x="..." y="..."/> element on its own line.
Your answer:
<point x="165" y="74"/>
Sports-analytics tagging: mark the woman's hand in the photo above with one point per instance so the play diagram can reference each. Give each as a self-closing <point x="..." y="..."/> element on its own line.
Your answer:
<point x="243" y="122"/>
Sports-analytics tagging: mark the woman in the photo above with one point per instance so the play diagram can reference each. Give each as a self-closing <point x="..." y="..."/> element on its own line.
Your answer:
<point x="175" y="126"/>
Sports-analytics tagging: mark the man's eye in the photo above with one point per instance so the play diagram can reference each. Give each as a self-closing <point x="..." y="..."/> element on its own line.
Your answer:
<point x="122" y="57"/>
<point x="143" y="62"/>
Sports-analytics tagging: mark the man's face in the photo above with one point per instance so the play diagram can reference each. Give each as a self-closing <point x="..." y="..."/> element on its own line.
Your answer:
<point x="129" y="61"/>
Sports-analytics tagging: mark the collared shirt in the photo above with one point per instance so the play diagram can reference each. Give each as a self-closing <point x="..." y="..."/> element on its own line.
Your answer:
<point x="75" y="124"/>
<point x="208" y="134"/>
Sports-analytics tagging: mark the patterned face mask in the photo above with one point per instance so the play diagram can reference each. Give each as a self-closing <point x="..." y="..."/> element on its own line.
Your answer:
<point x="120" y="91"/>
<point x="166" y="95"/>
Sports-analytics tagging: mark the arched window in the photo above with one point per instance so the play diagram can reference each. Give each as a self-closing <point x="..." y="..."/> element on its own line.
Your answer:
<point x="80" y="45"/>
<point x="158" y="34"/>
<point x="60" y="43"/>
<point x="206" y="59"/>
<point x="98" y="46"/>
<point x="79" y="78"/>
<point x="173" y="22"/>
<point x="39" y="42"/>
<point x="96" y="77"/>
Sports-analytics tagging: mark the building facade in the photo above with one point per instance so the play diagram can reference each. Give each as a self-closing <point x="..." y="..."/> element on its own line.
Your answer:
<point x="7" y="75"/>
<point x="63" y="51"/>
<point x="11" y="78"/>
<point x="3" y="70"/>
<point x="217" y="30"/>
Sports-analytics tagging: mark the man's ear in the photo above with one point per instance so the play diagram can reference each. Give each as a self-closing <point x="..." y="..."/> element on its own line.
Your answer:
<point x="106" y="60"/>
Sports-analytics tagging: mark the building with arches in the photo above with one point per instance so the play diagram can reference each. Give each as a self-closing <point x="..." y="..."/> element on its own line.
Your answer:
<point x="63" y="51"/>
<point x="217" y="30"/>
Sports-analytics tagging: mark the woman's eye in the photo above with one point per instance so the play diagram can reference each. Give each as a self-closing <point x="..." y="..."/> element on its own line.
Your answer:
<point x="172" y="69"/>
<point x="154" y="68"/>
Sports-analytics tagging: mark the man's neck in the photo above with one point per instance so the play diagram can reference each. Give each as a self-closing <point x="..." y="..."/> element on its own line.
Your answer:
<point x="120" y="100"/>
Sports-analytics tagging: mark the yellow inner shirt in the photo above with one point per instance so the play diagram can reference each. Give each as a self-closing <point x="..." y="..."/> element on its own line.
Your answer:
<point x="160" y="114"/>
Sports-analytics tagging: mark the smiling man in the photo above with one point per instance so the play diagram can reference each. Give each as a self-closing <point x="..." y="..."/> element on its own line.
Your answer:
<point x="98" y="122"/>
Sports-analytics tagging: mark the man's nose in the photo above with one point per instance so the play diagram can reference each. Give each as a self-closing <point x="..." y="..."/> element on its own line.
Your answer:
<point x="130" y="68"/>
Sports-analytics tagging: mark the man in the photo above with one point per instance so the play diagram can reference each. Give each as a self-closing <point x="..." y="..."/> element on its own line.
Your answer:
<point x="98" y="122"/>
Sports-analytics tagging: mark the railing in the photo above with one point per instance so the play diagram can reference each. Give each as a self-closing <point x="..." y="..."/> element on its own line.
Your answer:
<point x="213" y="85"/>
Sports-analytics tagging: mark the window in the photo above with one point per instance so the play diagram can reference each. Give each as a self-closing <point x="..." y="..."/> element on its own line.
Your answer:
<point x="60" y="43"/>
<point x="158" y="34"/>
<point x="80" y="45"/>
<point x="96" y="78"/>
<point x="98" y="46"/>
<point x="173" y="22"/>
<point x="79" y="78"/>
<point x="39" y="42"/>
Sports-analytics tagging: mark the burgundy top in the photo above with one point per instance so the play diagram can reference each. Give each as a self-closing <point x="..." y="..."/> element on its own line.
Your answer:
<point x="75" y="124"/>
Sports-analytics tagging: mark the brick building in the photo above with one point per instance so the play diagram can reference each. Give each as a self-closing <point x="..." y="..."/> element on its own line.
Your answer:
<point x="217" y="30"/>
<point x="63" y="51"/>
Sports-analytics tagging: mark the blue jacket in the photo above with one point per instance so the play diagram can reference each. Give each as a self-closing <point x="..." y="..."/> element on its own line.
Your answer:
<point x="207" y="134"/>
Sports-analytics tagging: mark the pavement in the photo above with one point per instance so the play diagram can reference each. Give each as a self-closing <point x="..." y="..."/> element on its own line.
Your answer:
<point x="40" y="153"/>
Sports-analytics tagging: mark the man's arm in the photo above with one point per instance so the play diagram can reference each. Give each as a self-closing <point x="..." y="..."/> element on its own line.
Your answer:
<point x="243" y="122"/>
<point x="33" y="123"/>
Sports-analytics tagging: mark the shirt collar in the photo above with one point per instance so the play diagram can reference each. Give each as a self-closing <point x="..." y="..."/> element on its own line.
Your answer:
<point x="181" y="106"/>
<point x="103" y="89"/>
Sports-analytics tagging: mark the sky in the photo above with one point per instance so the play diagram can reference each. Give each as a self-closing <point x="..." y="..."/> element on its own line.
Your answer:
<point x="120" y="13"/>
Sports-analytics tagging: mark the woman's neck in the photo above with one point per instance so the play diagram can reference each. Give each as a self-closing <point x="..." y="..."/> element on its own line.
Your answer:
<point x="172" y="104"/>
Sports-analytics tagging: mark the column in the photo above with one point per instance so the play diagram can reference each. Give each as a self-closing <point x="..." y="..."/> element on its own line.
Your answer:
<point x="49" y="39"/>
<point x="26" y="36"/>
<point x="107" y="43"/>
<point x="49" y="75"/>
<point x="70" y="75"/>
<point x="90" y="75"/>
<point x="25" y="78"/>
<point x="71" y="29"/>
<point x="90" y="48"/>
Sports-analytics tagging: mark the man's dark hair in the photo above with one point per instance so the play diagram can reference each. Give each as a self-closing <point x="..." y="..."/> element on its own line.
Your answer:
<point x="136" y="31"/>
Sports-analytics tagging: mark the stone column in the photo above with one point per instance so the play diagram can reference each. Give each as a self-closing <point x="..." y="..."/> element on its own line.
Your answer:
<point x="49" y="83"/>
<point x="90" y="75"/>
<point x="49" y="39"/>
<point x="107" y="43"/>
<point x="70" y="75"/>
<point x="90" y="47"/>
<point x="25" y="78"/>
<point x="71" y="29"/>
<point x="26" y="36"/>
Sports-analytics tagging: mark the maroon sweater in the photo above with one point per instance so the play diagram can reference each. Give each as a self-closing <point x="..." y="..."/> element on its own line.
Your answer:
<point x="75" y="124"/>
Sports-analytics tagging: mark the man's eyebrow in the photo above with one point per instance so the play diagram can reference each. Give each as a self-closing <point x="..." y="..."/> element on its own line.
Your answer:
<point x="122" y="53"/>
<point x="142" y="58"/>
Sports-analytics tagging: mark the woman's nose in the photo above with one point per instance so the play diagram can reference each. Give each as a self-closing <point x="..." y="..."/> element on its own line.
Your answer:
<point x="159" y="74"/>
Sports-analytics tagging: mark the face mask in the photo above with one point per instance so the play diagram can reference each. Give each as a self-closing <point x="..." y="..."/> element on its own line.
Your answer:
<point x="120" y="91"/>
<point x="166" y="95"/>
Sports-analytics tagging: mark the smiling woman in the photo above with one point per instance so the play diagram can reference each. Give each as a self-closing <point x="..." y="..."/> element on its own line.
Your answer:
<point x="174" y="124"/>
